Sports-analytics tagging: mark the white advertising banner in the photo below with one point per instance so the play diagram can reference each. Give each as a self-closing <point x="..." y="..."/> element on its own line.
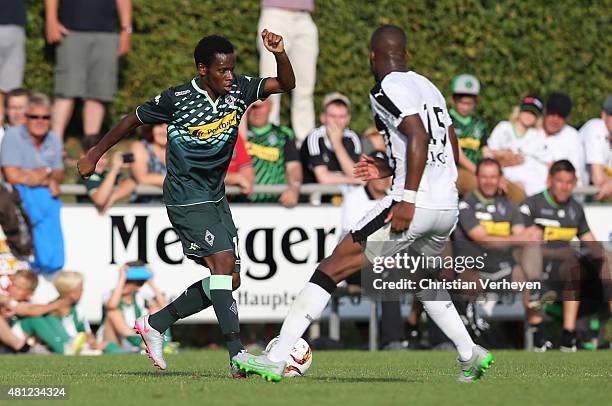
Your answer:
<point x="279" y="250"/>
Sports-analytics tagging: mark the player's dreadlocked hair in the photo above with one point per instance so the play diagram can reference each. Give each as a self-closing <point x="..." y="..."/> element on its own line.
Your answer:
<point x="209" y="46"/>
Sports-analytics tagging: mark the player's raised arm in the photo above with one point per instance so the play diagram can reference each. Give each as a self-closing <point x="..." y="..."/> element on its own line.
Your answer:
<point x="285" y="78"/>
<point x="87" y="164"/>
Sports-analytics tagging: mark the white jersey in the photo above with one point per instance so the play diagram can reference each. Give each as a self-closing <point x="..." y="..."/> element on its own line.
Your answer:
<point x="532" y="173"/>
<point x="566" y="144"/>
<point x="597" y="145"/>
<point x="402" y="94"/>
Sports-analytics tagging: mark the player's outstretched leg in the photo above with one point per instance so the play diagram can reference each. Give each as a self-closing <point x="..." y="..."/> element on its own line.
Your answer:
<point x="474" y="368"/>
<point x="346" y="259"/>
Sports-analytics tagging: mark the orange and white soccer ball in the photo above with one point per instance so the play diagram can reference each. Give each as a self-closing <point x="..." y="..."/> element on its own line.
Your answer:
<point x="299" y="360"/>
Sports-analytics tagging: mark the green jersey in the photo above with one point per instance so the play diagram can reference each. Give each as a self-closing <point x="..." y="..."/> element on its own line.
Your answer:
<point x="201" y="136"/>
<point x="471" y="134"/>
<point x="270" y="148"/>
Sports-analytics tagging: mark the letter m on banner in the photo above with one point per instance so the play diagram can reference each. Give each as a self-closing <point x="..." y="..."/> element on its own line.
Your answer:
<point x="139" y="228"/>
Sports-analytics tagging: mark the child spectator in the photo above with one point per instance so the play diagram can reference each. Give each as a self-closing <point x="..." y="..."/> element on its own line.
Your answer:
<point x="69" y="319"/>
<point x="470" y="130"/>
<point x="126" y="303"/>
<point x="26" y="319"/>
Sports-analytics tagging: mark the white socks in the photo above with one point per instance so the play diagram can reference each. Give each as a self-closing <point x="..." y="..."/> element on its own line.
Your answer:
<point x="307" y="307"/>
<point x="444" y="314"/>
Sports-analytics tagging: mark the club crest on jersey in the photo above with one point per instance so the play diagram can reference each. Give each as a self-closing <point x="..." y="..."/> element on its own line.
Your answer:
<point x="230" y="100"/>
<point x="206" y="131"/>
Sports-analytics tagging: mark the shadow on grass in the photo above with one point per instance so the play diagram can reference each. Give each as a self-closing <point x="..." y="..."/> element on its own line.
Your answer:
<point x="162" y="375"/>
<point x="345" y="379"/>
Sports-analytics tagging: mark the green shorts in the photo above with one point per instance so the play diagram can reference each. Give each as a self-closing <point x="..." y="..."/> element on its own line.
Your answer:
<point x="205" y="229"/>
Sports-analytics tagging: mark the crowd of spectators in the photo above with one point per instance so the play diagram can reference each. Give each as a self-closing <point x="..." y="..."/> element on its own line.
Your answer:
<point x="524" y="148"/>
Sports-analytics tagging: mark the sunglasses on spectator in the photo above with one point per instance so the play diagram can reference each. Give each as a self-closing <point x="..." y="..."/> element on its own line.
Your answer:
<point x="37" y="117"/>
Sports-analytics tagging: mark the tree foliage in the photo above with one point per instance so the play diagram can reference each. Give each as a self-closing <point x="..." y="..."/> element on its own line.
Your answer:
<point x="512" y="46"/>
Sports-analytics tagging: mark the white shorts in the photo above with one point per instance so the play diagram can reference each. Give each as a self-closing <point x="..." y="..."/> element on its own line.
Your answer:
<point x="428" y="231"/>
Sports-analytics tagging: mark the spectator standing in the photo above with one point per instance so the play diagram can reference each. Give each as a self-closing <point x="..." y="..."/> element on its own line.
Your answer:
<point x="274" y="154"/>
<point x="292" y="20"/>
<point x="12" y="47"/>
<point x="31" y="159"/>
<point x="91" y="36"/>
<point x="519" y="145"/>
<point x="149" y="166"/>
<point x="471" y="131"/>
<point x="330" y="151"/>
<point x="596" y="135"/>
<point x="562" y="140"/>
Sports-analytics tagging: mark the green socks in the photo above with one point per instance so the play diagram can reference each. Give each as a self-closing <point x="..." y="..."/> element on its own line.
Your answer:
<point x="215" y="290"/>
<point x="193" y="300"/>
<point x="226" y="310"/>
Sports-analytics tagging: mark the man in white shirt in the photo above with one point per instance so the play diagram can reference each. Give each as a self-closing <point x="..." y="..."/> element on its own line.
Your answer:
<point x="596" y="135"/>
<point x="562" y="140"/>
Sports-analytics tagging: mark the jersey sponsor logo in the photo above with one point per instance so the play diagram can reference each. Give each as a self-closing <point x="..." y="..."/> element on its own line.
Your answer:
<point x="262" y="152"/>
<point x="497" y="228"/>
<point x="469" y="143"/>
<point x="182" y="92"/>
<point x="213" y="129"/>
<point x="560" y="233"/>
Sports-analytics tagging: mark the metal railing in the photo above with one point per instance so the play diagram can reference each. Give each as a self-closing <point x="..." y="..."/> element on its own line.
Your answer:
<point x="314" y="191"/>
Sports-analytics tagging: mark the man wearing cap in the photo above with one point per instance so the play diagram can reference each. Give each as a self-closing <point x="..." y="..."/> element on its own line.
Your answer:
<point x="520" y="147"/>
<point x="330" y="151"/>
<point x="562" y="140"/>
<point x="469" y="129"/>
<point x="596" y="135"/>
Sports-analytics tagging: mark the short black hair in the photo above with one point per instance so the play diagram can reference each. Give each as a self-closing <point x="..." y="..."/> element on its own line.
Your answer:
<point x="19" y="91"/>
<point x="562" y="166"/>
<point x="209" y="46"/>
<point x="559" y="103"/>
<point x="488" y="161"/>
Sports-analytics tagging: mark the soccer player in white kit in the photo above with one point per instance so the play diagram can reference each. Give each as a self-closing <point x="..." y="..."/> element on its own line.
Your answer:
<point x="420" y="212"/>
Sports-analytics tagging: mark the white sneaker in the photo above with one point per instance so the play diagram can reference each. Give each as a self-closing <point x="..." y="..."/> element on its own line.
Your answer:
<point x="153" y="339"/>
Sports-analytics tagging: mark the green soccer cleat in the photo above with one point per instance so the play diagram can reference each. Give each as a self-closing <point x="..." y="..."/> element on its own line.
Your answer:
<point x="474" y="368"/>
<point x="259" y="365"/>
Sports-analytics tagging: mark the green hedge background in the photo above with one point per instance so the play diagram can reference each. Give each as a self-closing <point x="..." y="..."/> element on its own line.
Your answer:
<point x="512" y="46"/>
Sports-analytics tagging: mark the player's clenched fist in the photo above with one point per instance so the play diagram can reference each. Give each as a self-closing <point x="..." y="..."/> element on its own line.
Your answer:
<point x="86" y="166"/>
<point x="272" y="42"/>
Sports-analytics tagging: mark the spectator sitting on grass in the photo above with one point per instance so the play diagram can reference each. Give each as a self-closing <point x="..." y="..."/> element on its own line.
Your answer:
<point x="126" y="303"/>
<point x="106" y="186"/>
<point x="149" y="167"/>
<point x="26" y="319"/>
<point x="69" y="317"/>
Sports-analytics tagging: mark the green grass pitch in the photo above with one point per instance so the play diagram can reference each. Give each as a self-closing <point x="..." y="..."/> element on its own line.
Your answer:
<point x="344" y="378"/>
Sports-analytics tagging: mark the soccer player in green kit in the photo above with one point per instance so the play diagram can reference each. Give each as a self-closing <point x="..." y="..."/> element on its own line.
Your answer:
<point x="202" y="116"/>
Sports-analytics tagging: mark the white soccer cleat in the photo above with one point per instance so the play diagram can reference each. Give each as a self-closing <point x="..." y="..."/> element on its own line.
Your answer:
<point x="153" y="340"/>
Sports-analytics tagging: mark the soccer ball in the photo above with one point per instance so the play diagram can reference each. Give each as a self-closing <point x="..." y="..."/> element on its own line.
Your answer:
<point x="299" y="359"/>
